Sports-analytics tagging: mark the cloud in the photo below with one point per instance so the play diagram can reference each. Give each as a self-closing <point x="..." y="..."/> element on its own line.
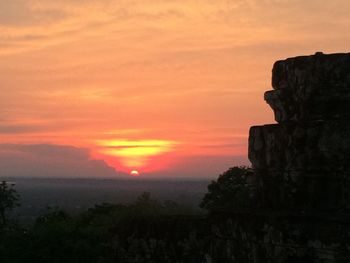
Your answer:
<point x="48" y="150"/>
<point x="23" y="13"/>
<point x="135" y="153"/>
<point x="49" y="160"/>
<point x="15" y="129"/>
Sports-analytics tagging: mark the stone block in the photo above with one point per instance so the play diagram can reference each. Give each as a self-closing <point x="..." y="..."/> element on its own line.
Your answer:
<point x="321" y="145"/>
<point x="311" y="88"/>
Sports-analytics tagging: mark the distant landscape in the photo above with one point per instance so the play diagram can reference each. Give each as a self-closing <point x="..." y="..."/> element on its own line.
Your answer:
<point x="76" y="195"/>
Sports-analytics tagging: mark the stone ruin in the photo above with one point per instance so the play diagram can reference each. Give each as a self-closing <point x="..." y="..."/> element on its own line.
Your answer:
<point x="306" y="155"/>
<point x="302" y="163"/>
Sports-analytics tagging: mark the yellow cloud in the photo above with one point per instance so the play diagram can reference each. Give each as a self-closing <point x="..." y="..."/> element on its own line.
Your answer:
<point x="135" y="153"/>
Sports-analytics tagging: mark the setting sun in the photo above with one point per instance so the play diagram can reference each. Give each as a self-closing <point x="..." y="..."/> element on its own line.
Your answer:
<point x="134" y="173"/>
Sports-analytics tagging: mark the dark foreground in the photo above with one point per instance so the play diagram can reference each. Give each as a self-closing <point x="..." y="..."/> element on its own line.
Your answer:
<point x="238" y="227"/>
<point x="146" y="233"/>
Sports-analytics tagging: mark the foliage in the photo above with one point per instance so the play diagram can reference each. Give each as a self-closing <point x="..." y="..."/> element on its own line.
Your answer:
<point x="232" y="189"/>
<point x="92" y="236"/>
<point x="8" y="200"/>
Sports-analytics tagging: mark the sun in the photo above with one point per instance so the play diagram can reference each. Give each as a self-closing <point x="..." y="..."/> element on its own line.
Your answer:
<point x="134" y="173"/>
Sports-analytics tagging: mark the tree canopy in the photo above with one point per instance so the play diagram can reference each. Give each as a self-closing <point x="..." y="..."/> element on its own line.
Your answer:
<point x="8" y="200"/>
<point x="231" y="190"/>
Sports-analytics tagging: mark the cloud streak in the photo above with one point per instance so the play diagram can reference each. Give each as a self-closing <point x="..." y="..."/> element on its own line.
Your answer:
<point x="16" y="129"/>
<point x="48" y="160"/>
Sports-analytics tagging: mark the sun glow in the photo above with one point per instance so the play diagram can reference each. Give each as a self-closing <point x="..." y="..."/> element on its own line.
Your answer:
<point x="134" y="153"/>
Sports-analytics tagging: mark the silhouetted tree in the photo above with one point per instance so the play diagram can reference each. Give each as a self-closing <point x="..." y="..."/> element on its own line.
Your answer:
<point x="8" y="200"/>
<point x="232" y="189"/>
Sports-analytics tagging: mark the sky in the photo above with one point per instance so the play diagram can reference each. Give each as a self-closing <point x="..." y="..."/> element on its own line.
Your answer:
<point x="98" y="88"/>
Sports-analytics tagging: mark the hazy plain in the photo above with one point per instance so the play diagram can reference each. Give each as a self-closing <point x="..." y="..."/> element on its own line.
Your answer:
<point x="76" y="194"/>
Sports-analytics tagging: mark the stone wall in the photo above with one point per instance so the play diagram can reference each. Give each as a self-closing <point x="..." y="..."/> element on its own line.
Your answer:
<point x="302" y="163"/>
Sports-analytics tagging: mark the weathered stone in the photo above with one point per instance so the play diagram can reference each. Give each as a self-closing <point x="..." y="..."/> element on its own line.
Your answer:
<point x="311" y="88"/>
<point x="304" y="160"/>
<point x="294" y="146"/>
<point x="306" y="74"/>
<point x="288" y="106"/>
<point x="302" y="163"/>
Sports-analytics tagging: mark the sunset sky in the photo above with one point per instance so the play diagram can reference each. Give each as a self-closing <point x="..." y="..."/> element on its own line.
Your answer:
<point x="97" y="88"/>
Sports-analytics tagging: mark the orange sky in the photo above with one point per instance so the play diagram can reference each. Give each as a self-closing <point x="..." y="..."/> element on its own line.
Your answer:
<point x="164" y="87"/>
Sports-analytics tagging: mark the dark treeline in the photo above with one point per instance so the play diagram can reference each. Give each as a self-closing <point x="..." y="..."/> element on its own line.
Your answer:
<point x="146" y="230"/>
<point x="91" y="236"/>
